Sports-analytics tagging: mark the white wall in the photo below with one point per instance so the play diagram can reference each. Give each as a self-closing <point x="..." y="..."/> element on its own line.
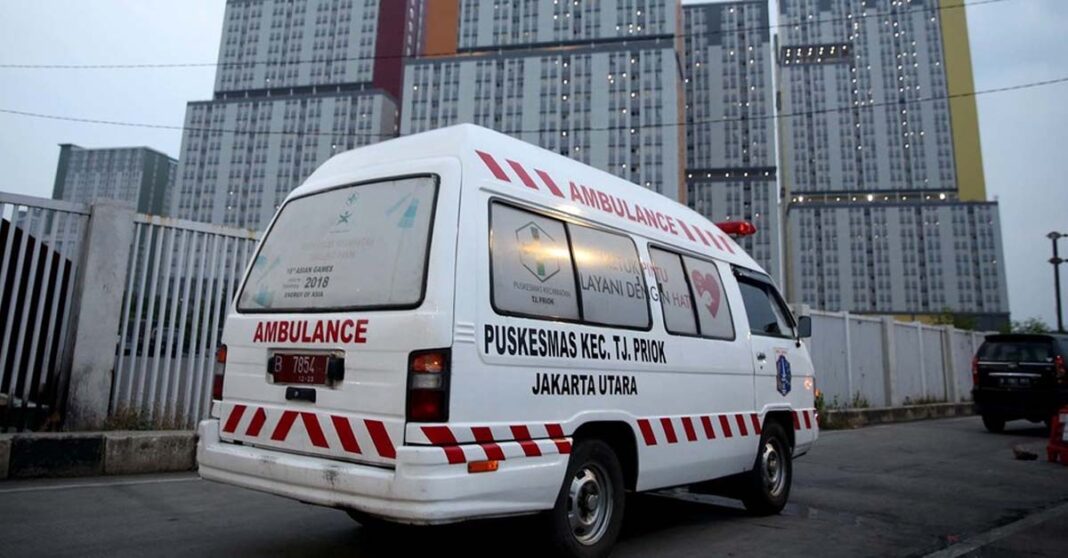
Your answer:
<point x="887" y="363"/>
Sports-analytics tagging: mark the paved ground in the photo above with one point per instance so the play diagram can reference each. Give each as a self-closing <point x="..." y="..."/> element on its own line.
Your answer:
<point x="897" y="490"/>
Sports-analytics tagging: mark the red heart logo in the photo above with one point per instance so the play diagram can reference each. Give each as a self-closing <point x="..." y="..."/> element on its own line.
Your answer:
<point x="707" y="283"/>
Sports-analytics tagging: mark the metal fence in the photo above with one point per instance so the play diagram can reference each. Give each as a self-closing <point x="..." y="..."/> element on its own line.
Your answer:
<point x="39" y="239"/>
<point x="182" y="275"/>
<point x="873" y="361"/>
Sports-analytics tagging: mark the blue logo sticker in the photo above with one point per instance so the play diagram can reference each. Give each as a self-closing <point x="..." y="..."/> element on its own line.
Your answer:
<point x="782" y="375"/>
<point x="408" y="219"/>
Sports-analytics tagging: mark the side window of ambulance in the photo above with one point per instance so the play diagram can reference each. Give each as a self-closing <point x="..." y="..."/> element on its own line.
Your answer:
<point x="713" y="312"/>
<point x="611" y="278"/>
<point x="674" y="292"/>
<point x="531" y="265"/>
<point x="767" y="316"/>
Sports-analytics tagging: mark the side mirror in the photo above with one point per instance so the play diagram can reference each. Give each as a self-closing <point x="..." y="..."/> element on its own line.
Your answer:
<point x="804" y="327"/>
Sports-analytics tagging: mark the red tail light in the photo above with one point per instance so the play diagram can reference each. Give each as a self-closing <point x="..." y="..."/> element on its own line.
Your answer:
<point x="975" y="371"/>
<point x="1062" y="371"/>
<point x="428" y="386"/>
<point x="220" y="373"/>
<point x="737" y="228"/>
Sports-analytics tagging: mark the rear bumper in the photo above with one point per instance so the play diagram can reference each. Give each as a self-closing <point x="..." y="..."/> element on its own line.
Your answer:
<point x="1008" y="403"/>
<point x="420" y="489"/>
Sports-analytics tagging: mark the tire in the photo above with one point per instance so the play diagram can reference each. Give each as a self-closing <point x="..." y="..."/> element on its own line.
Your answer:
<point x="766" y="487"/>
<point x="994" y="423"/>
<point x="588" y="514"/>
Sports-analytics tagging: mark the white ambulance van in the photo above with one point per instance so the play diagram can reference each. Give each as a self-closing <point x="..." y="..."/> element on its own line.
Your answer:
<point x="457" y="324"/>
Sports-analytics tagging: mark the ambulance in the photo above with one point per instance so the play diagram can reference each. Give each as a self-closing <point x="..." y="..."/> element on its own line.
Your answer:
<point x="457" y="324"/>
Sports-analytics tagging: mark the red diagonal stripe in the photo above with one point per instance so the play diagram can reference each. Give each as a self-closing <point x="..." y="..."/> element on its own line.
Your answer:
<point x="522" y="173"/>
<point x="492" y="165"/>
<point x="797" y="421"/>
<point x="647" y="432"/>
<point x="484" y="436"/>
<point x="281" y="430"/>
<point x="707" y="423"/>
<point x="345" y="434"/>
<point x="549" y="183"/>
<point x="522" y="435"/>
<point x="315" y="431"/>
<point x="232" y="421"/>
<point x="725" y="425"/>
<point x="530" y="447"/>
<point x="669" y="430"/>
<point x="742" y="430"/>
<point x="455" y="454"/>
<point x="756" y="423"/>
<point x="380" y="437"/>
<point x="687" y="425"/>
<point x="686" y="230"/>
<point x="440" y="435"/>
<point x="727" y="245"/>
<point x="702" y="236"/>
<point x="256" y="425"/>
<point x="557" y="434"/>
<point x="493" y="451"/>
<point x="808" y="421"/>
<point x="713" y="238"/>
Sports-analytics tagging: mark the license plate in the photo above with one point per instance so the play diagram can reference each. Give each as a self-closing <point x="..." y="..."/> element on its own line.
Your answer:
<point x="287" y="368"/>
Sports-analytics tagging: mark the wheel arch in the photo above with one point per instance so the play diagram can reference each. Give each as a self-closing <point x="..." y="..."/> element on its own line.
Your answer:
<point x="785" y="419"/>
<point x="620" y="437"/>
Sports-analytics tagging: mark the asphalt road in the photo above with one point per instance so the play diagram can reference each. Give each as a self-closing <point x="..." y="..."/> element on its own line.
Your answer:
<point x="898" y="490"/>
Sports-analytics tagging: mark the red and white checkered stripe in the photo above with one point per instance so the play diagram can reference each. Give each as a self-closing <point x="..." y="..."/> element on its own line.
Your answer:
<point x="711" y="238"/>
<point x="674" y="430"/>
<point x="476" y="443"/>
<point x="335" y="434"/>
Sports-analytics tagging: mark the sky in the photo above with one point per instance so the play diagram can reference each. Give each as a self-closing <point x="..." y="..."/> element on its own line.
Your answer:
<point x="1024" y="133"/>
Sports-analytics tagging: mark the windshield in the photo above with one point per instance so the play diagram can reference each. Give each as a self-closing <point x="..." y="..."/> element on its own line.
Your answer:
<point x="360" y="246"/>
<point x="1030" y="350"/>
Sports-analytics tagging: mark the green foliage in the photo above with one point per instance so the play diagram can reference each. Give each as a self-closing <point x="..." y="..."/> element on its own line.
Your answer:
<point x="1030" y="325"/>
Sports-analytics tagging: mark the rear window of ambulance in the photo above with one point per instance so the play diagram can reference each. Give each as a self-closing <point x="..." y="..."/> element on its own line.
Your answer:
<point x="355" y="247"/>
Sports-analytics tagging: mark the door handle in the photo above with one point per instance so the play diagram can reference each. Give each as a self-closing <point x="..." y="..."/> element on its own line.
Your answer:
<point x="762" y="357"/>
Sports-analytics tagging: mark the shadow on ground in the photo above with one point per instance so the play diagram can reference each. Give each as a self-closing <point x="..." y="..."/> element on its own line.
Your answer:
<point x="515" y="537"/>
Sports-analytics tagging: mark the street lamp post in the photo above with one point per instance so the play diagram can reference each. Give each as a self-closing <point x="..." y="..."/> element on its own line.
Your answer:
<point x="1056" y="260"/>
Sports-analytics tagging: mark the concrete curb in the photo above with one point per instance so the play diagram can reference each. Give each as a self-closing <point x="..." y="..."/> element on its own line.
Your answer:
<point x="856" y="418"/>
<point x="75" y="454"/>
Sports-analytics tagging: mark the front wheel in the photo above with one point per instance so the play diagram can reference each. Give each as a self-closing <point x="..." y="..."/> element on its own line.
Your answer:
<point x="588" y="514"/>
<point x="769" y="481"/>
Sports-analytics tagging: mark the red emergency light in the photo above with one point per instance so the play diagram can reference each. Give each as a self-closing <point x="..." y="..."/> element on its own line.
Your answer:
<point x="738" y="228"/>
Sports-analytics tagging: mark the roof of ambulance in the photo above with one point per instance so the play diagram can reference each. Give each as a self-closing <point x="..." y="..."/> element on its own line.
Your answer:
<point x="464" y="140"/>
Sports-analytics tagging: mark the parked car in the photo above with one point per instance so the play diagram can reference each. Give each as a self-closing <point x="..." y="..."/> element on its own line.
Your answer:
<point x="1019" y="376"/>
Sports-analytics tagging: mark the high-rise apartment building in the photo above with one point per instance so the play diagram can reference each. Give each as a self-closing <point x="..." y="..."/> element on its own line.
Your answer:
<point x="730" y="127"/>
<point x="599" y="82"/>
<point x="141" y="176"/>
<point x="298" y="81"/>
<point x="880" y="161"/>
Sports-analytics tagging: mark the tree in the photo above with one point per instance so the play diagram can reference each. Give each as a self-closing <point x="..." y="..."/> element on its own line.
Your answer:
<point x="1030" y="325"/>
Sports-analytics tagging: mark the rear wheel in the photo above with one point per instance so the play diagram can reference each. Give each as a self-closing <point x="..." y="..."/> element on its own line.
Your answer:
<point x="589" y="508"/>
<point x="768" y="484"/>
<point x="994" y="423"/>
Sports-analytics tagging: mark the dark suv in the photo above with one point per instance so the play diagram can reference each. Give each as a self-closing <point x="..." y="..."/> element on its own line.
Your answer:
<point x="1019" y="376"/>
